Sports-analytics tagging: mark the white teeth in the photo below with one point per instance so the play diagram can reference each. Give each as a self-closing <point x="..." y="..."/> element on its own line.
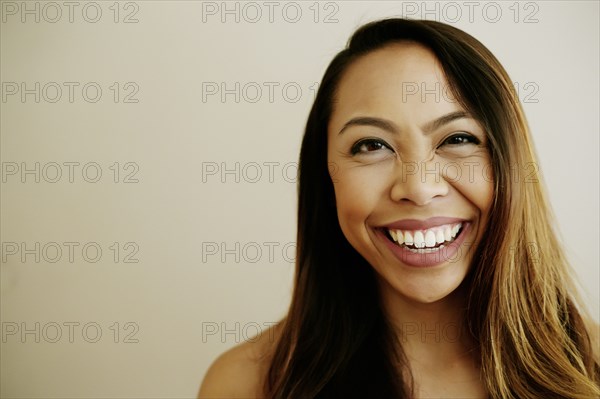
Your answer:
<point x="419" y="239"/>
<point x="408" y="238"/>
<point x="455" y="229"/>
<point x="447" y="233"/>
<point x="400" y="236"/>
<point x="439" y="237"/>
<point x="426" y="239"/>
<point x="430" y="239"/>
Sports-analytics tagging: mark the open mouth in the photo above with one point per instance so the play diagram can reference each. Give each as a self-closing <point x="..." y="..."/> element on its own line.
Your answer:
<point x="425" y="241"/>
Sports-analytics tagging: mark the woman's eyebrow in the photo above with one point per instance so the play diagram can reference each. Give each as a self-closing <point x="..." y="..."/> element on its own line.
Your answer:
<point x="391" y="127"/>
<point x="383" y="124"/>
<point x="443" y="120"/>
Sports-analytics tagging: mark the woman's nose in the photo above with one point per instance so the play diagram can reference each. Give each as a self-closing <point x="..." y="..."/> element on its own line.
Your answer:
<point x="418" y="182"/>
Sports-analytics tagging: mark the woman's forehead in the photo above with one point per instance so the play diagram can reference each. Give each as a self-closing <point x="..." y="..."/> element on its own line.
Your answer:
<point x="400" y="77"/>
<point x="399" y="69"/>
<point x="397" y="63"/>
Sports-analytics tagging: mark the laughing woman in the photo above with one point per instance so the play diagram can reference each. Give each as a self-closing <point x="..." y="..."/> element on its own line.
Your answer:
<point x="425" y="267"/>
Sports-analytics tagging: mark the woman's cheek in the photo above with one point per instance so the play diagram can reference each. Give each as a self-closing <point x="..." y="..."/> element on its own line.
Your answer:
<point x="358" y="191"/>
<point x="474" y="180"/>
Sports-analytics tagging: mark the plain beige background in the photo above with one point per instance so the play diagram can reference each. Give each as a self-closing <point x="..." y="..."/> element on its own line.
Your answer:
<point x="198" y="190"/>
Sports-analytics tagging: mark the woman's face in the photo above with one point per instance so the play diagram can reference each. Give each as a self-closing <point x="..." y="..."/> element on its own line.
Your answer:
<point x="411" y="171"/>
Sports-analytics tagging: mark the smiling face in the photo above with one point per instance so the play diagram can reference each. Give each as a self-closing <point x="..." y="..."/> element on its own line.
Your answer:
<point x="411" y="172"/>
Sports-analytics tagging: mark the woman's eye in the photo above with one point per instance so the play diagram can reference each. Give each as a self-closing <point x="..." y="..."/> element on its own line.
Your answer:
<point x="460" y="139"/>
<point x="368" y="145"/>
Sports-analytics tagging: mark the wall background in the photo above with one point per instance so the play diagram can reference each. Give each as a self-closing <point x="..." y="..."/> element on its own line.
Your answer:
<point x="128" y="283"/>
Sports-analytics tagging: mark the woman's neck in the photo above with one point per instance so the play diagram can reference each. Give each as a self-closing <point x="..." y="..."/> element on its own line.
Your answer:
<point x="430" y="332"/>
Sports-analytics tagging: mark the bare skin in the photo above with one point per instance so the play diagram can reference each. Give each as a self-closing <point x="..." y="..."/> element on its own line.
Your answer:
<point x="240" y="371"/>
<point x="426" y="303"/>
<point x="442" y="357"/>
<point x="372" y="190"/>
<point x="438" y="372"/>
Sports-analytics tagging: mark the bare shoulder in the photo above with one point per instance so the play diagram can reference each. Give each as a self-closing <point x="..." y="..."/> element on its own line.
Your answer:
<point x="240" y="371"/>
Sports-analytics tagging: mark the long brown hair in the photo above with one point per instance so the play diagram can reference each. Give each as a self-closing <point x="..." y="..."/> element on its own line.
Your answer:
<point x="336" y="341"/>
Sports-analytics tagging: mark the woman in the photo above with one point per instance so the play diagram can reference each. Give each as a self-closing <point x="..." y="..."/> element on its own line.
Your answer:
<point x="427" y="264"/>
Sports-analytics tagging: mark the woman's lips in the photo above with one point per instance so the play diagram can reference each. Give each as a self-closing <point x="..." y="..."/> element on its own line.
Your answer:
<point x="429" y="247"/>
